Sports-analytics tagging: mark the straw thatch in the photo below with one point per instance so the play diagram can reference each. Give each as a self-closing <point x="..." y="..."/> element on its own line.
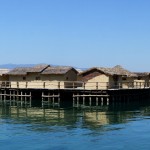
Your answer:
<point x="57" y="70"/>
<point x="19" y="71"/>
<point x="25" y="70"/>
<point x="43" y="69"/>
<point x="39" y="68"/>
<point x="117" y="70"/>
<point x="142" y="74"/>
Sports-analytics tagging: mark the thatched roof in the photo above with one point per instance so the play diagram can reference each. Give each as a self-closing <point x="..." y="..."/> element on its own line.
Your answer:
<point x="142" y="74"/>
<point x="19" y="71"/>
<point x="43" y="69"/>
<point x="117" y="70"/>
<point x="25" y="70"/>
<point x="57" y="70"/>
<point x="38" y="68"/>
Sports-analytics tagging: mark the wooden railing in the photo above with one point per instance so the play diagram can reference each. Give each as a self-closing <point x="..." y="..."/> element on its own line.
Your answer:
<point x="73" y="85"/>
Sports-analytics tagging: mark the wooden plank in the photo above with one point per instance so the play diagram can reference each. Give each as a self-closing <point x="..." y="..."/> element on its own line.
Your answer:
<point x="15" y="95"/>
<point x="91" y="95"/>
<point x="50" y="96"/>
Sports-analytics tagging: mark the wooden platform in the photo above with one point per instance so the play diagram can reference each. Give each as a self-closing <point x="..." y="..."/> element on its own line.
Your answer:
<point x="78" y="98"/>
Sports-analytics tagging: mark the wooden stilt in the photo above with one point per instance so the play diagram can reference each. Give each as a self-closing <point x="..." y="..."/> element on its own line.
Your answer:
<point x="77" y="101"/>
<point x="14" y="97"/>
<point x="10" y="99"/>
<point x="42" y="99"/>
<point x="1" y="98"/>
<point x="90" y="101"/>
<point x="73" y="101"/>
<point x="30" y="100"/>
<point x="102" y="101"/>
<point x="58" y="100"/>
<point x="17" y="97"/>
<point x="107" y="100"/>
<point x="5" y="96"/>
<point x="21" y="99"/>
<point x="96" y="101"/>
<point x="25" y="99"/>
<point x="53" y="100"/>
<point x="83" y="101"/>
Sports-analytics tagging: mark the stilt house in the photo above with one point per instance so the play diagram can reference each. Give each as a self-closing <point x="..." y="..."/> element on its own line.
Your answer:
<point x="42" y="76"/>
<point x="103" y="78"/>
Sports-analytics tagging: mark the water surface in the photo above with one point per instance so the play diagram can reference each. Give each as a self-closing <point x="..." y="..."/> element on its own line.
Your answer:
<point x="118" y="127"/>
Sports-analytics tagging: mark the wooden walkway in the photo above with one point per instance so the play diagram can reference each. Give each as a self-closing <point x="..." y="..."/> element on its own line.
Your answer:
<point x="74" y="85"/>
<point x="73" y="94"/>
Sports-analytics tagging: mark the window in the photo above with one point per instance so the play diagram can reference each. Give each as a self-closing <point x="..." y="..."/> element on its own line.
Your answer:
<point x="66" y="78"/>
<point x="24" y="78"/>
<point x="124" y="78"/>
<point x="139" y="78"/>
<point x="37" y="78"/>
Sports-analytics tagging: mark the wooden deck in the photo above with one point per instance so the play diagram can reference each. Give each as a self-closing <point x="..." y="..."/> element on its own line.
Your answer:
<point x="73" y="94"/>
<point x="73" y="85"/>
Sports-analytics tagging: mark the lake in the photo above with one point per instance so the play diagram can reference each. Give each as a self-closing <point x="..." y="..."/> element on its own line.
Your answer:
<point x="114" y="127"/>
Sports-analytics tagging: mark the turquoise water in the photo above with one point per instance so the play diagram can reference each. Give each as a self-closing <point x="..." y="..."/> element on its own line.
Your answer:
<point x="118" y="127"/>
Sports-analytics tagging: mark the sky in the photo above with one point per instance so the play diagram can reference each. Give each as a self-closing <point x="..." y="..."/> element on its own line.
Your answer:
<point x="79" y="33"/>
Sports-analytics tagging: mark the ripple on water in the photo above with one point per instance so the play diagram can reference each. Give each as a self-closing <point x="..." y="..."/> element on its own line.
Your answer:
<point x="77" y="130"/>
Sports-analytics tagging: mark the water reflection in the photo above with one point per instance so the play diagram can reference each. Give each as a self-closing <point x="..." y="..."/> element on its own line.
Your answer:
<point x="118" y="126"/>
<point x="74" y="118"/>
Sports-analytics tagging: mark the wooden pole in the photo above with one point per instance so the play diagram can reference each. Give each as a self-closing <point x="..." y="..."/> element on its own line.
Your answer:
<point x="78" y="100"/>
<point x="107" y="100"/>
<point x="73" y="101"/>
<point x="5" y="97"/>
<point x="14" y="97"/>
<point x="26" y="85"/>
<point x="25" y="99"/>
<point x="44" y="85"/>
<point x="53" y="100"/>
<point x="10" y="94"/>
<point x="17" y="97"/>
<point x="10" y="97"/>
<point x="30" y="100"/>
<point x="21" y="99"/>
<point x="42" y="99"/>
<point x="90" y="102"/>
<point x="97" y="85"/>
<point x="102" y="101"/>
<point x="1" y="98"/>
<point x="49" y="99"/>
<point x="96" y="101"/>
<point x="58" y="100"/>
<point x="58" y="85"/>
<point x="83" y="101"/>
